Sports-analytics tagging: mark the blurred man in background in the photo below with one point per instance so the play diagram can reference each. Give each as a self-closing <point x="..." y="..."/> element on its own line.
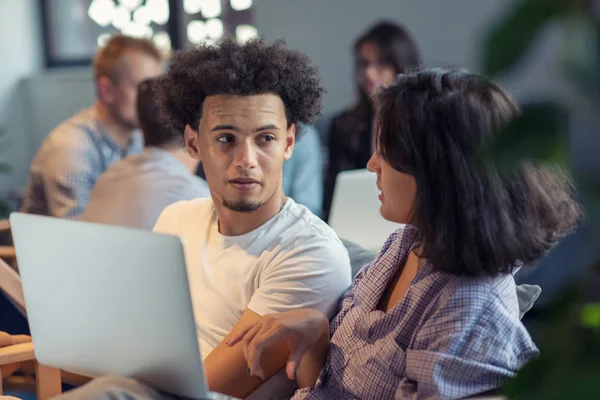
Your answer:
<point x="76" y="152"/>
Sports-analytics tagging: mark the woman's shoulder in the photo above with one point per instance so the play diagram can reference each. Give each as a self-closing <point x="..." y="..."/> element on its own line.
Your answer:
<point x="479" y="306"/>
<point x="479" y="294"/>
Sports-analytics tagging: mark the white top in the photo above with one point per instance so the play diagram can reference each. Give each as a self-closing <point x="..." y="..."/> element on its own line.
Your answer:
<point x="134" y="191"/>
<point x="292" y="261"/>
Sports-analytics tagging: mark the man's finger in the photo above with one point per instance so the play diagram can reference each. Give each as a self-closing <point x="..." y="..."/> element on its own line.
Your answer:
<point x="249" y="337"/>
<point x="240" y="335"/>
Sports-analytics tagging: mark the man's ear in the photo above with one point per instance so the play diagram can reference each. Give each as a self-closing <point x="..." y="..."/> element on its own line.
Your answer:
<point x="106" y="89"/>
<point x="191" y="140"/>
<point x="290" y="140"/>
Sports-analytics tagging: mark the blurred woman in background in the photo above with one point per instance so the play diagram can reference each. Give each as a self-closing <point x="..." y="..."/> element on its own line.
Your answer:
<point x="380" y="54"/>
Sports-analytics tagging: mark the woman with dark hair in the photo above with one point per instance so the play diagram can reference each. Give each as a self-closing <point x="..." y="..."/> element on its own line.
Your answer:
<point x="380" y="54"/>
<point x="435" y="315"/>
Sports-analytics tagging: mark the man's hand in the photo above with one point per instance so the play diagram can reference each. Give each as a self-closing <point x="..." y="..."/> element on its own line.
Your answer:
<point x="9" y="340"/>
<point x="305" y="333"/>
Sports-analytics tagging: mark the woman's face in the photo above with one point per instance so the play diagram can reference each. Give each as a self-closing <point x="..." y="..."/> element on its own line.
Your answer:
<point x="398" y="190"/>
<point x="372" y="71"/>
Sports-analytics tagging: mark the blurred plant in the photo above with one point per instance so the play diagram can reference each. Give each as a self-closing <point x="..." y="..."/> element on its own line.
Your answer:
<point x="569" y="342"/>
<point x="4" y="169"/>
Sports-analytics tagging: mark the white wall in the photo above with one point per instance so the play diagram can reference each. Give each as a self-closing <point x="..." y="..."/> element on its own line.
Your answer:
<point x="21" y="55"/>
<point x="55" y="95"/>
<point x="19" y="43"/>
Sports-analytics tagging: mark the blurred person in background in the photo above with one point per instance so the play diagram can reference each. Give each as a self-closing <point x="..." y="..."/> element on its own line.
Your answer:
<point x="134" y="191"/>
<point x="80" y="149"/>
<point x="380" y="54"/>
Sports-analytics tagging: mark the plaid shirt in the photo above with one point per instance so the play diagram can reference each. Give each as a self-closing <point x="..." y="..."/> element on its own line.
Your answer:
<point x="68" y="164"/>
<point x="448" y="337"/>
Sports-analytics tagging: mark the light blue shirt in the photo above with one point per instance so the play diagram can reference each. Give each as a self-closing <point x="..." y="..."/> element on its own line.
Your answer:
<point x="68" y="164"/>
<point x="133" y="192"/>
<point x="303" y="172"/>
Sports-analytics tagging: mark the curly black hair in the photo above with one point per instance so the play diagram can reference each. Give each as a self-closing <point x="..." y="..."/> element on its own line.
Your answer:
<point x="472" y="220"/>
<point x="245" y="69"/>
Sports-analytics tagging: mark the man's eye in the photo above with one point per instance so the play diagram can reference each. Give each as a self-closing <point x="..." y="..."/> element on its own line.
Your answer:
<point x="225" y="139"/>
<point x="267" y="138"/>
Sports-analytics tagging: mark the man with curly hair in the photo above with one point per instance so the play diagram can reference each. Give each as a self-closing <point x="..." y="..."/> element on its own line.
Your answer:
<point x="250" y="251"/>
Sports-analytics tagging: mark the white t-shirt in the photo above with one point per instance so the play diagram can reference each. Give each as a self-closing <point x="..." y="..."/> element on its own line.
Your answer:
<point x="295" y="260"/>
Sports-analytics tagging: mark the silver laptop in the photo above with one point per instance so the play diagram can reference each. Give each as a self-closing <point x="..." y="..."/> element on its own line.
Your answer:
<point x="105" y="300"/>
<point x="355" y="212"/>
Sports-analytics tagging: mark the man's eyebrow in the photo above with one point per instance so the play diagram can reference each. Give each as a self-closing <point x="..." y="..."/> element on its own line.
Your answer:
<point x="236" y="129"/>
<point x="267" y="128"/>
<point x="224" y="128"/>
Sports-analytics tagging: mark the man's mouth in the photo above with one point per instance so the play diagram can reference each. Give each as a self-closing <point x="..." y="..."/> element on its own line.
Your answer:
<point x="244" y="183"/>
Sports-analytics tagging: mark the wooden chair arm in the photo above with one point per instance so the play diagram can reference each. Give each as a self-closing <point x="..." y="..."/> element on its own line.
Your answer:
<point x="4" y="225"/>
<point x="7" y="252"/>
<point x="48" y="382"/>
<point x="16" y="353"/>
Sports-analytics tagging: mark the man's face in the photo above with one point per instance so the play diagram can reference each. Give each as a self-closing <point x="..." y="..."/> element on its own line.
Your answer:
<point x="137" y="67"/>
<point x="242" y="142"/>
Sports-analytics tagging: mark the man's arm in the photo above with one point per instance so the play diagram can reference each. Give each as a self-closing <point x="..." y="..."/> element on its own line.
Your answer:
<point x="312" y="275"/>
<point x="226" y="367"/>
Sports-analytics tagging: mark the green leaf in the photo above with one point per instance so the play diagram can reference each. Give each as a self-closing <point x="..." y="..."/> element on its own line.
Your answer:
<point x="509" y="41"/>
<point x="581" y="56"/>
<point x="536" y="135"/>
<point x="590" y="315"/>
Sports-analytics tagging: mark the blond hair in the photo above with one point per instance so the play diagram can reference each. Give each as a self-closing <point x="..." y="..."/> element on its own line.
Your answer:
<point x="109" y="59"/>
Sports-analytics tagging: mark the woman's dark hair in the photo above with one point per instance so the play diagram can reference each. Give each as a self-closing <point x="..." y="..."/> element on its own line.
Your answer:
<point x="229" y="67"/>
<point x="156" y="133"/>
<point x="472" y="220"/>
